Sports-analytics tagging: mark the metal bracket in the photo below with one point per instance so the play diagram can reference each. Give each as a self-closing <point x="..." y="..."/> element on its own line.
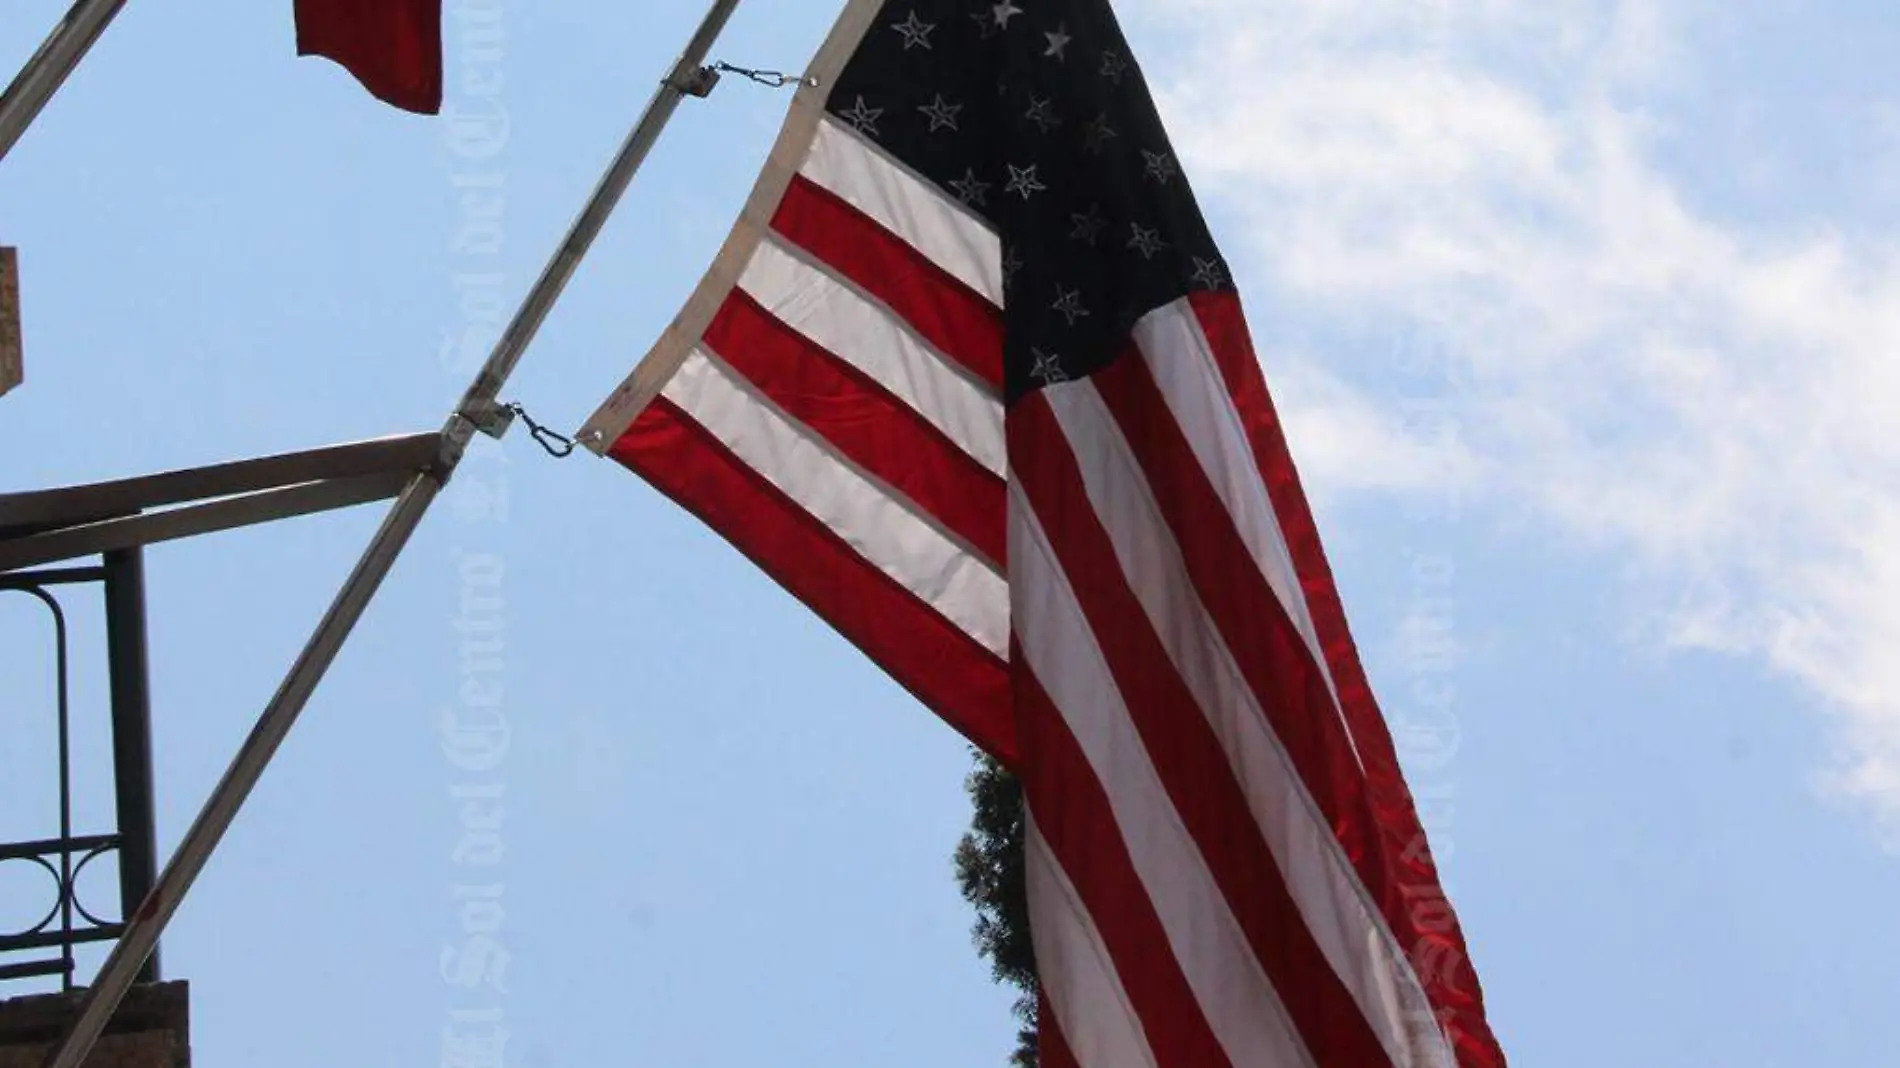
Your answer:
<point x="492" y="418"/>
<point x="699" y="82"/>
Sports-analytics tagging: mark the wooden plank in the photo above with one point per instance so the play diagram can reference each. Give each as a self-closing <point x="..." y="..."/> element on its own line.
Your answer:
<point x="71" y="543"/>
<point x="110" y="500"/>
<point x="12" y="360"/>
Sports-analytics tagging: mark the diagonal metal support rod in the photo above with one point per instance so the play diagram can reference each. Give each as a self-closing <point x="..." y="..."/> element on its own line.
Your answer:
<point x="122" y="966"/>
<point x="51" y="65"/>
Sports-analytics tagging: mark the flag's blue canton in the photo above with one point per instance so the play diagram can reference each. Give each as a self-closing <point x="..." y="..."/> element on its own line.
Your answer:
<point x="1038" y="119"/>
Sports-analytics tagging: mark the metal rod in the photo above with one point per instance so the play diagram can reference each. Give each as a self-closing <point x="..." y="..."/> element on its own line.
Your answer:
<point x="143" y="928"/>
<point x="66" y="941"/>
<point x="554" y="278"/>
<point x="53" y="576"/>
<point x="32" y="969"/>
<point x="131" y="734"/>
<point x="66" y="889"/>
<point x="63" y="908"/>
<point x="84" y="843"/>
<point x="51" y="65"/>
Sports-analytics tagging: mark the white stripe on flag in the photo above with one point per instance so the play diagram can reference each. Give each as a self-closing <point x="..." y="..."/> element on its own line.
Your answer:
<point x="1181" y="360"/>
<point x="1059" y="647"/>
<point x="870" y="337"/>
<point x="1349" y="932"/>
<point x="884" y="530"/>
<point x="946" y="233"/>
<point x="1085" y="992"/>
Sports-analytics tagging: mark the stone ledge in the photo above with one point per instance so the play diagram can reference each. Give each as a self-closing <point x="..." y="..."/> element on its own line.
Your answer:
<point x="152" y="1029"/>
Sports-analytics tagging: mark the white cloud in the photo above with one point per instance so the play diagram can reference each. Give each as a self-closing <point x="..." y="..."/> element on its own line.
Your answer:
<point x="1716" y="399"/>
<point x="1350" y="444"/>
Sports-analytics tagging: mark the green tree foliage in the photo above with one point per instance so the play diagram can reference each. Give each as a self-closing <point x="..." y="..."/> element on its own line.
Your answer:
<point x="990" y="870"/>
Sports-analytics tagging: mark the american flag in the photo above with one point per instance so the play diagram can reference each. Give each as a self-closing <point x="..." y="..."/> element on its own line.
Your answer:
<point x="392" y="47"/>
<point x="971" y="380"/>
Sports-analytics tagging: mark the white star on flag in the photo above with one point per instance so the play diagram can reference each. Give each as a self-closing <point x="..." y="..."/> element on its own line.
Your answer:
<point x="971" y="190"/>
<point x="1023" y="180"/>
<point x="1042" y="113"/>
<point x="1146" y="241"/>
<point x="916" y="32"/>
<point x="1209" y="273"/>
<point x="1059" y="43"/>
<point x="1088" y="225"/>
<point x="1161" y="166"/>
<point x="1069" y="305"/>
<point x="942" y="115"/>
<point x="863" y="116"/>
<point x="1047" y="368"/>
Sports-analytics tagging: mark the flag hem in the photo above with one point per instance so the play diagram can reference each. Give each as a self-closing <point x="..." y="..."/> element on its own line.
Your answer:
<point x="683" y="334"/>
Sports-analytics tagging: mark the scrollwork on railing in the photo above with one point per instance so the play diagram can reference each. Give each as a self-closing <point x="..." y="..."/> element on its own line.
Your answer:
<point x="52" y="911"/>
<point x="65" y="860"/>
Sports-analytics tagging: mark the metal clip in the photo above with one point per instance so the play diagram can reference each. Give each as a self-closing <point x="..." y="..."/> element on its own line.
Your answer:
<point x="771" y="79"/>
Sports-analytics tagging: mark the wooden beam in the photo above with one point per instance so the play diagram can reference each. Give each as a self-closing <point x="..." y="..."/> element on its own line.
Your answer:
<point x="110" y="500"/>
<point x="230" y="513"/>
<point x="12" y="360"/>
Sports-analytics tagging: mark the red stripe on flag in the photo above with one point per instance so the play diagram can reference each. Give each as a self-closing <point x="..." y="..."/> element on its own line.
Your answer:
<point x="945" y="668"/>
<point x="1050" y="1042"/>
<point x="1418" y="910"/>
<point x="393" y="47"/>
<point x="952" y="317"/>
<point x="1188" y="756"/>
<point x="1267" y="647"/>
<point x="857" y="416"/>
<point x="1073" y="815"/>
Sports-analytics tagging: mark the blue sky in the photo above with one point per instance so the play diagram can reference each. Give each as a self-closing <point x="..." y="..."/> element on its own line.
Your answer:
<point x="1581" y="314"/>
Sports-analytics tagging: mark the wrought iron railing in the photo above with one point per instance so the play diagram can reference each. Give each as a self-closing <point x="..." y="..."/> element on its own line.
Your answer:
<point x="49" y="946"/>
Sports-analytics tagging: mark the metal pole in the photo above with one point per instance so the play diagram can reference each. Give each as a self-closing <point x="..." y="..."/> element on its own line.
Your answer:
<point x="554" y="278"/>
<point x="131" y="734"/>
<point x="48" y="69"/>
<point x="142" y="929"/>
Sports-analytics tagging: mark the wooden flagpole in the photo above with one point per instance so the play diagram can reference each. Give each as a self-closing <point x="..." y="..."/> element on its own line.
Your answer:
<point x="51" y="65"/>
<point x="478" y="410"/>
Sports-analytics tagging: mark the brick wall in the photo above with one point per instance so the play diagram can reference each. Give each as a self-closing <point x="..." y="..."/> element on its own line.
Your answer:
<point x="152" y="1029"/>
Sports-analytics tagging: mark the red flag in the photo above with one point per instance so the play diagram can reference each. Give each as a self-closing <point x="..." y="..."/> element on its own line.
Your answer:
<point x="972" y="381"/>
<point x="393" y="47"/>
